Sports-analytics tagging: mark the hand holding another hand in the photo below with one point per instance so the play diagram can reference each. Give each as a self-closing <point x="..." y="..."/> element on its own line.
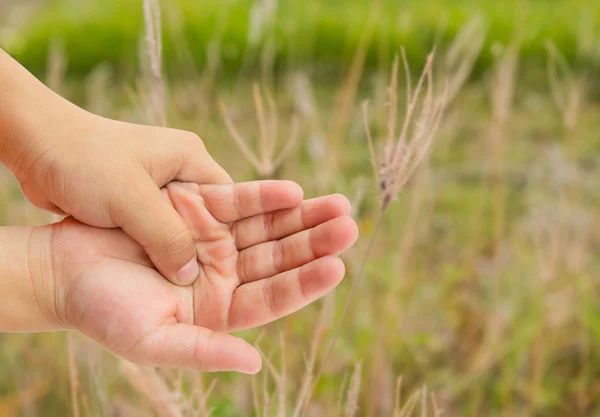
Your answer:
<point x="263" y="253"/>
<point x="254" y="251"/>
<point x="103" y="172"/>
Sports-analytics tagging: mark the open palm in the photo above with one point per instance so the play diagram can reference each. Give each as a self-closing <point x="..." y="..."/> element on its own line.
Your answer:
<point x="264" y="253"/>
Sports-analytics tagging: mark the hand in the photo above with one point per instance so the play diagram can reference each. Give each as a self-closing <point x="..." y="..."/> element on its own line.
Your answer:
<point x="102" y="172"/>
<point x="263" y="254"/>
<point x="108" y="174"/>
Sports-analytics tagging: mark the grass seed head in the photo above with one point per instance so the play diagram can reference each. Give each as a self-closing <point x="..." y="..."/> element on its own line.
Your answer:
<point x="403" y="153"/>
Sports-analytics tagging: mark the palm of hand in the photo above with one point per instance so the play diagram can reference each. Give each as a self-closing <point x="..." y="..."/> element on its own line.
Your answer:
<point x="263" y="255"/>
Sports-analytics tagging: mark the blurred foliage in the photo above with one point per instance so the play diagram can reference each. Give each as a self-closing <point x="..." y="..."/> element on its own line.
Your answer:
<point x="317" y="34"/>
<point x="495" y="327"/>
<point x="490" y="334"/>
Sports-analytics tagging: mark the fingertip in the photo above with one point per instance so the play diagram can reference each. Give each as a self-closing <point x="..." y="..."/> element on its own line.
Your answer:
<point x="247" y="358"/>
<point x="152" y="220"/>
<point x="323" y="275"/>
<point x="334" y="236"/>
<point x="350" y="230"/>
<point x="277" y="195"/>
<point x="341" y="204"/>
<point x="291" y="191"/>
<point x="182" y="197"/>
<point x="295" y="191"/>
<point x="333" y="269"/>
<point x="189" y="272"/>
<point x="254" y="363"/>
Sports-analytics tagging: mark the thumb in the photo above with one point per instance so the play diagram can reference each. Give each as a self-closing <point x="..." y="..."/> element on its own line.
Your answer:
<point x="187" y="346"/>
<point x="149" y="218"/>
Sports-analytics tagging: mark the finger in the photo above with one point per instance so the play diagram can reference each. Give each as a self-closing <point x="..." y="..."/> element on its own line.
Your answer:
<point x="192" y="208"/>
<point x="147" y="216"/>
<point x="263" y="301"/>
<point x="270" y="258"/>
<point x="212" y="238"/>
<point x="192" y="347"/>
<point x="232" y="202"/>
<point x="278" y="224"/>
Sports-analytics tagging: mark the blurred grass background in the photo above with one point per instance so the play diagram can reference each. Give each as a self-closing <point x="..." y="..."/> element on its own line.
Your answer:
<point x="483" y="288"/>
<point x="307" y="33"/>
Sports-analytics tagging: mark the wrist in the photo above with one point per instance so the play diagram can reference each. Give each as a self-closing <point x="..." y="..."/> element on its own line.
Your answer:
<point x="29" y="293"/>
<point x="47" y="275"/>
<point x="30" y="114"/>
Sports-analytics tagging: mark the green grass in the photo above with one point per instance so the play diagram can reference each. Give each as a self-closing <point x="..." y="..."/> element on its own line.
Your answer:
<point x="315" y="34"/>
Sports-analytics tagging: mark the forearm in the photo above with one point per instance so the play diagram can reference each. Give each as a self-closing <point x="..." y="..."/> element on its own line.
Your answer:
<point x="29" y="115"/>
<point x="28" y="295"/>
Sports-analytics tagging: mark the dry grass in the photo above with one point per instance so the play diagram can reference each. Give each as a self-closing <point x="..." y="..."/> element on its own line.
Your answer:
<point x="344" y="103"/>
<point x="399" y="159"/>
<point x="73" y="377"/>
<point x="152" y="88"/>
<point x="268" y="158"/>
<point x="502" y="333"/>
<point x="261" y="41"/>
<point x="502" y="99"/>
<point x="96" y="84"/>
<point x="57" y="66"/>
<point x="353" y="392"/>
<point x="402" y="154"/>
<point x="568" y="88"/>
<point x="459" y="59"/>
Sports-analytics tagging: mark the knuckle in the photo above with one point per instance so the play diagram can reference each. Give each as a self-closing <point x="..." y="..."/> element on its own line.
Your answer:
<point x="192" y="139"/>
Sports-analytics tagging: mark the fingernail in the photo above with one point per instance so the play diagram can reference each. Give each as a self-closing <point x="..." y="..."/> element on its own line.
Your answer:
<point x="189" y="272"/>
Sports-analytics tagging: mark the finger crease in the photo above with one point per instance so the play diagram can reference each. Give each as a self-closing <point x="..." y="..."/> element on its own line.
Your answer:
<point x="260" y="199"/>
<point x="301" y="285"/>
<point x="233" y="230"/>
<point x="302" y="220"/>
<point x="206" y="204"/>
<point x="268" y="225"/>
<point x="310" y="244"/>
<point x="241" y="266"/>
<point x="229" y="310"/>
<point x="269" y="296"/>
<point x="237" y="202"/>
<point x="198" y="358"/>
<point x="277" y="254"/>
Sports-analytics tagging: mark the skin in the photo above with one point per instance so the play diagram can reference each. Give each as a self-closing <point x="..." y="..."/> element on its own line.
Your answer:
<point x="263" y="253"/>
<point x="103" y="172"/>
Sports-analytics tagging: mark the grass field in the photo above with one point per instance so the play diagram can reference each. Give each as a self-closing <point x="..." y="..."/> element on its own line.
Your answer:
<point x="314" y="34"/>
<point x="482" y="293"/>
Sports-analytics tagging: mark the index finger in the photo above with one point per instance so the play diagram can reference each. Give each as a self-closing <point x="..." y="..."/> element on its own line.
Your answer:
<point x="232" y="202"/>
